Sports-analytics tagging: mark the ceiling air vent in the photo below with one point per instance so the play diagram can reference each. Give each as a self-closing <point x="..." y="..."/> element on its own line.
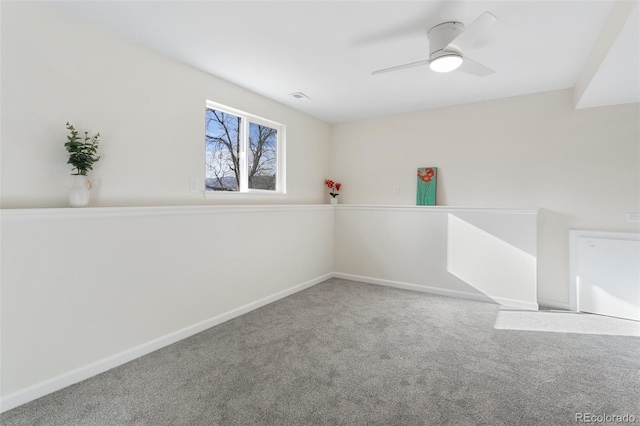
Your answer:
<point x="300" y="96"/>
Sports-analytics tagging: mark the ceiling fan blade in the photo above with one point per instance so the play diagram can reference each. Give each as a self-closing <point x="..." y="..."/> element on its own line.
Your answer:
<point x="472" y="33"/>
<point x="472" y="67"/>
<point x="401" y="67"/>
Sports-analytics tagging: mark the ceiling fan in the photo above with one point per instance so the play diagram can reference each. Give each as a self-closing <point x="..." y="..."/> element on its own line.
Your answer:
<point x="448" y="42"/>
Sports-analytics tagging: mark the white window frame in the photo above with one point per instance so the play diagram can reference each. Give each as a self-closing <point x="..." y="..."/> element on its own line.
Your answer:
<point x="244" y="189"/>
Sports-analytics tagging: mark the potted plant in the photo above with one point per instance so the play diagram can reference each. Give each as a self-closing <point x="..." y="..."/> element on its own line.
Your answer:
<point x="82" y="156"/>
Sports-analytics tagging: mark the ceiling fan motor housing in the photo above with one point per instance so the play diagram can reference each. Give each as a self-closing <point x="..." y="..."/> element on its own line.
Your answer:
<point x="447" y="42"/>
<point x="440" y="36"/>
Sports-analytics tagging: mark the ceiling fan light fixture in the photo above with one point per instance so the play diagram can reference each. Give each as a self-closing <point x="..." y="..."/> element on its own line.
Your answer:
<point x="446" y="63"/>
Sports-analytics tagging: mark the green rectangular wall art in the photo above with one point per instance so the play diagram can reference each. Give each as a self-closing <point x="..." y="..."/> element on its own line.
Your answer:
<point x="427" y="177"/>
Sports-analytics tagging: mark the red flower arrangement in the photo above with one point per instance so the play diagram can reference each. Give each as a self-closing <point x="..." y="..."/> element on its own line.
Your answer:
<point x="426" y="175"/>
<point x="334" y="187"/>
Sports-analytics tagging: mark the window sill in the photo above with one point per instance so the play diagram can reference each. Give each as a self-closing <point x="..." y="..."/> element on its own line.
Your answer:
<point x="213" y="195"/>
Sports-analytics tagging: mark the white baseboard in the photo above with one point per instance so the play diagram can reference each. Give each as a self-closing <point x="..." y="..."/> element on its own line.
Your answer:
<point x="516" y="303"/>
<point x="511" y="303"/>
<point x="554" y="304"/>
<point x="74" y="376"/>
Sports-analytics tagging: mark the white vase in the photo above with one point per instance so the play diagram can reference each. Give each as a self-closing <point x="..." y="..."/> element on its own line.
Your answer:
<point x="79" y="193"/>
<point x="334" y="200"/>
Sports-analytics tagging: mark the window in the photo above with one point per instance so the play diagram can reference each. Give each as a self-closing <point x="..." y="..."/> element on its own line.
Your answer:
<point x="243" y="153"/>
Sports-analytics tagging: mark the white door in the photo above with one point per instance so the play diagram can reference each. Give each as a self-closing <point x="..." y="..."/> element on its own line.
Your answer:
<point x="608" y="277"/>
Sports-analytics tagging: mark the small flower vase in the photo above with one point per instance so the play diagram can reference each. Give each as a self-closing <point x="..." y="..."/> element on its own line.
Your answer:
<point x="79" y="193"/>
<point x="334" y="200"/>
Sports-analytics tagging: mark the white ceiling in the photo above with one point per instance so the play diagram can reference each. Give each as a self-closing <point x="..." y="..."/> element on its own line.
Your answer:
<point x="328" y="49"/>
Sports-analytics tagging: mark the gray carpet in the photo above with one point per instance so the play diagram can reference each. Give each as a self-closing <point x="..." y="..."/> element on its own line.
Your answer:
<point x="347" y="353"/>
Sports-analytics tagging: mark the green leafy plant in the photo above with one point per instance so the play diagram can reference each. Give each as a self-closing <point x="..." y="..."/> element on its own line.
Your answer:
<point x="82" y="154"/>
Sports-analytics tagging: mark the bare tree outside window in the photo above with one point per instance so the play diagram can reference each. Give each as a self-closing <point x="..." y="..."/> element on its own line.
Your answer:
<point x="222" y="151"/>
<point x="262" y="159"/>
<point x="224" y="167"/>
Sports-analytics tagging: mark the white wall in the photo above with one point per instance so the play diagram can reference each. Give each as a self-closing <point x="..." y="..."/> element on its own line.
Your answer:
<point x="480" y="254"/>
<point x="102" y="286"/>
<point x="148" y="108"/>
<point x="581" y="168"/>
